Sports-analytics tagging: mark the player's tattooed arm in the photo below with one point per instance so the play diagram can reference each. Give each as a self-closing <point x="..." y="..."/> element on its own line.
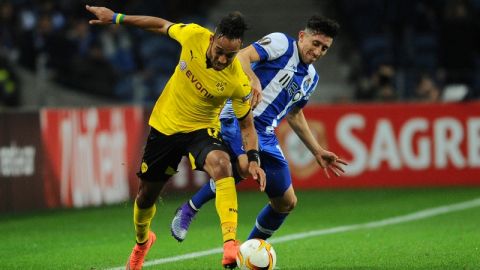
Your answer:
<point x="250" y="144"/>
<point x="105" y="16"/>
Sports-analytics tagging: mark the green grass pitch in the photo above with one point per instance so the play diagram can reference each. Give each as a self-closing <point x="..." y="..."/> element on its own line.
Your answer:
<point x="102" y="238"/>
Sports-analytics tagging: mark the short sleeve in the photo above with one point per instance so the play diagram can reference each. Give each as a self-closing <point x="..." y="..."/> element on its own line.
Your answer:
<point x="181" y="32"/>
<point x="271" y="46"/>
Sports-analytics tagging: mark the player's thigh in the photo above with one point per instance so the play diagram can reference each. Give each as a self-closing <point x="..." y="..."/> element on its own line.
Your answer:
<point x="276" y="170"/>
<point x="162" y="154"/>
<point x="206" y="144"/>
<point x="232" y="136"/>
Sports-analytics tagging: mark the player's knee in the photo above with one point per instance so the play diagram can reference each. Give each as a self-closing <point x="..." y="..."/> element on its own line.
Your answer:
<point x="221" y="166"/>
<point x="291" y="203"/>
<point x="286" y="206"/>
<point x="148" y="193"/>
<point x="145" y="200"/>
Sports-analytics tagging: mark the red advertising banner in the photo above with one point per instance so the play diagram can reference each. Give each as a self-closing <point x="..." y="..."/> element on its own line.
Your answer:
<point x="20" y="162"/>
<point x="85" y="157"/>
<point x="91" y="155"/>
<point x="390" y="145"/>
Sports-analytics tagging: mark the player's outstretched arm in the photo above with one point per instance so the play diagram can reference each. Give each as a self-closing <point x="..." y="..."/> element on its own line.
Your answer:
<point x="326" y="159"/>
<point x="247" y="56"/>
<point x="250" y="144"/>
<point x="107" y="16"/>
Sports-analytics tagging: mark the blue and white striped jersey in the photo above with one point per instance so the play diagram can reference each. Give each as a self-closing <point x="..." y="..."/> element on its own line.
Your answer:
<point x="286" y="81"/>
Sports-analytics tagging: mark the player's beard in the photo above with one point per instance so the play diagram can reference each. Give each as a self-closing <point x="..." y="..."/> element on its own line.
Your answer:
<point x="218" y="66"/>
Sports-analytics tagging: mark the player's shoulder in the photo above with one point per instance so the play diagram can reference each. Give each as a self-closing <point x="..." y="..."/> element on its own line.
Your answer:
<point x="188" y="29"/>
<point x="236" y="72"/>
<point x="276" y="40"/>
<point x="312" y="71"/>
<point x="275" y="44"/>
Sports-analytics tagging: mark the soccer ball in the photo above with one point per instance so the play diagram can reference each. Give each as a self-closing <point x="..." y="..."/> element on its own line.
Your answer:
<point x="256" y="254"/>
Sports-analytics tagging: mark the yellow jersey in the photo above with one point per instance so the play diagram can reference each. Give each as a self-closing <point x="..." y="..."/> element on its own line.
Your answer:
<point x="194" y="96"/>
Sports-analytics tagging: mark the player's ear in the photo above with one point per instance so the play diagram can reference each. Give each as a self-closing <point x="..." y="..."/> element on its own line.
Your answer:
<point x="301" y="34"/>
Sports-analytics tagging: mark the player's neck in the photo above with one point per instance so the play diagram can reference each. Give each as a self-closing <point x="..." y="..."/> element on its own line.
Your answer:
<point x="208" y="62"/>
<point x="299" y="53"/>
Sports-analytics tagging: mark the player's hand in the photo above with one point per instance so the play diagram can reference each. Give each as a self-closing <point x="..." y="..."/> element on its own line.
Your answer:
<point x="103" y="14"/>
<point x="329" y="161"/>
<point x="258" y="174"/>
<point x="256" y="93"/>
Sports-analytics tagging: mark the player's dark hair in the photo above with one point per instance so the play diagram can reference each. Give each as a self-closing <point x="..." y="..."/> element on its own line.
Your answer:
<point x="232" y="26"/>
<point x="318" y="24"/>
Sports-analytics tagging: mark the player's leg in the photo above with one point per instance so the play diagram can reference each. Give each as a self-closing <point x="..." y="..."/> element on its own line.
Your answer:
<point x="280" y="191"/>
<point x="232" y="138"/>
<point x="143" y="212"/>
<point x="208" y="153"/>
<point x="207" y="191"/>
<point x="273" y="215"/>
<point x="184" y="215"/>
<point x="159" y="163"/>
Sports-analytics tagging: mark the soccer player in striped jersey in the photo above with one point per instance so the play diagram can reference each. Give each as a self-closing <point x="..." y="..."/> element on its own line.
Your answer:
<point x="282" y="67"/>
<point x="185" y="121"/>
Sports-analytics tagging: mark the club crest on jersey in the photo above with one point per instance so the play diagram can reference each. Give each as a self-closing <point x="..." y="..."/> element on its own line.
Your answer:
<point x="182" y="65"/>
<point x="221" y="86"/>
<point x="306" y="83"/>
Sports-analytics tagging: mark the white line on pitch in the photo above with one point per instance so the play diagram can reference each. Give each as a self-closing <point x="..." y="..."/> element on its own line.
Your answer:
<point x="431" y="212"/>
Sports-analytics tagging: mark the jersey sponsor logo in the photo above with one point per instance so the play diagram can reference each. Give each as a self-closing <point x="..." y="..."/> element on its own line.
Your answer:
<point x="297" y="96"/>
<point x="198" y="85"/>
<point x="293" y="88"/>
<point x="264" y="41"/>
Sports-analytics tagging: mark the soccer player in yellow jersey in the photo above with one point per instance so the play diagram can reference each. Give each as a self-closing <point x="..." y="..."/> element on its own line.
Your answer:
<point x="184" y="121"/>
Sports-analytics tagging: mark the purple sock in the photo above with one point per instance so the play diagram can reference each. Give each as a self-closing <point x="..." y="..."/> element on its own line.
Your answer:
<point x="204" y="195"/>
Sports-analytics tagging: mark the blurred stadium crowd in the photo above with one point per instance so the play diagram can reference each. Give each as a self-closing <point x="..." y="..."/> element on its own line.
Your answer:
<point x="109" y="61"/>
<point x="412" y="49"/>
<point x="396" y="49"/>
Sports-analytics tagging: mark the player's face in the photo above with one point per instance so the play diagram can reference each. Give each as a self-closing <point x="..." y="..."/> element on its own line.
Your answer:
<point x="313" y="46"/>
<point x="222" y="51"/>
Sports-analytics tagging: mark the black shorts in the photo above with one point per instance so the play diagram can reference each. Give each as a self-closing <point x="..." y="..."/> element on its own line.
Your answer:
<point x="163" y="153"/>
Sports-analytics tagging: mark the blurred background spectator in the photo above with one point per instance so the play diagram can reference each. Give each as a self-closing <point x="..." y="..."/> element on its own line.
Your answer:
<point x="388" y="50"/>
<point x="428" y="45"/>
<point x="9" y="85"/>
